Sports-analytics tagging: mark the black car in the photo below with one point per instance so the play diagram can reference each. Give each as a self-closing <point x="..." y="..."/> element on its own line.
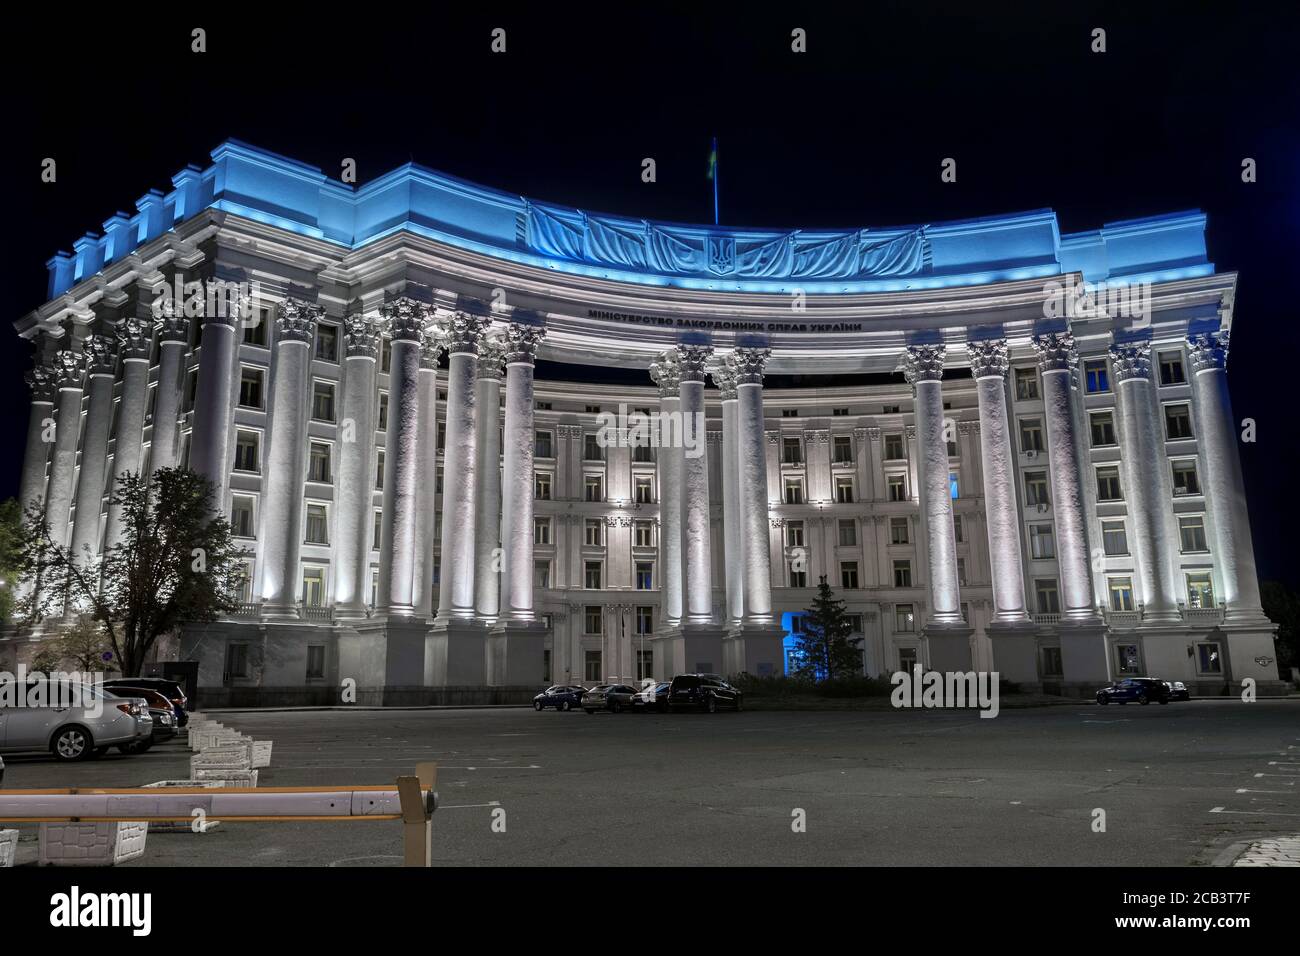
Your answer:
<point x="707" y="692"/>
<point x="611" y="697"/>
<point x="652" y="697"/>
<point x="561" y="697"/>
<point x="168" y="688"/>
<point x="1178" y="690"/>
<point x="1141" y="689"/>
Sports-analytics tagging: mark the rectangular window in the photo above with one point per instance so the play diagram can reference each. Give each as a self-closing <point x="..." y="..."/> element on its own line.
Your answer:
<point x="546" y="664"/>
<point x="1026" y="384"/>
<point x="318" y="463"/>
<point x="1036" y="489"/>
<point x="1045" y="592"/>
<point x="255" y="331"/>
<point x="1185" y="480"/>
<point x="591" y="666"/>
<point x="313" y="587"/>
<point x="236" y="661"/>
<point x="957" y="530"/>
<point x="645" y="665"/>
<point x="383" y="411"/>
<point x="643" y="534"/>
<point x="1191" y="533"/>
<point x="1042" y="544"/>
<point x="591" y="619"/>
<point x="593" y="532"/>
<point x="1108" y="484"/>
<point x="1103" y="428"/>
<point x="377" y="536"/>
<point x="246" y="451"/>
<point x="541" y="574"/>
<point x="1171" y="368"/>
<point x="1031" y="434"/>
<point x="898" y="531"/>
<point x="902" y="574"/>
<point x="241" y="516"/>
<point x="952" y="447"/>
<point x="1114" y="539"/>
<point x="894" y="448"/>
<point x="1051" y="657"/>
<point x="327" y="342"/>
<point x="386" y="356"/>
<point x="315" y="661"/>
<point x="644" y="575"/>
<point x="843" y="450"/>
<point x="591" y="450"/>
<point x="317" y="525"/>
<point x="542" y="486"/>
<point x="844" y="490"/>
<point x="791" y="451"/>
<point x="1121" y="594"/>
<point x="839" y="412"/>
<point x="1200" y="591"/>
<point x="593" y="409"/>
<point x="591" y="575"/>
<point x="379" y="470"/>
<point x="593" y="487"/>
<point x="322" y="401"/>
<point x="645" y="494"/>
<point x="1178" y="422"/>
<point x="643" y="454"/>
<point x="789" y="413"/>
<point x="1096" y="376"/>
<point x="442" y="437"/>
<point x="250" y="387"/>
<point x="897" y="485"/>
<point x="541" y="531"/>
<point x="543" y="406"/>
<point x="798" y="579"/>
<point x="890" y="409"/>
<point x="542" y="445"/>
<point x="1127" y="659"/>
<point x="848" y="532"/>
<point x="904" y="618"/>
<point x="961" y="579"/>
<point x="848" y="574"/>
<point x="1208" y="658"/>
<point x="794" y="534"/>
<point x="794" y="491"/>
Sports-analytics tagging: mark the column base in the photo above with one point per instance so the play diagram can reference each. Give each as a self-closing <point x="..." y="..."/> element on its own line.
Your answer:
<point x="757" y="649"/>
<point x="514" y="655"/>
<point x="688" y="649"/>
<point x="949" y="644"/>
<point x="280" y="612"/>
<point x="1015" y="652"/>
<point x="351" y="612"/>
<point x="455" y="653"/>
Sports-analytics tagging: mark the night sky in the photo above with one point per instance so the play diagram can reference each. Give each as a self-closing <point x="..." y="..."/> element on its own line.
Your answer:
<point x="849" y="134"/>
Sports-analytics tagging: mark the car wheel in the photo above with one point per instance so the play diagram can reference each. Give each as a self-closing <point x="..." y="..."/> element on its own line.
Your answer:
<point x="615" y="707"/>
<point x="1103" y="699"/>
<point x="537" y="705"/>
<point x="1142" y="699"/>
<point x="564" y="705"/>
<point x="711" y="705"/>
<point x="72" y="743"/>
<point x="588" y="710"/>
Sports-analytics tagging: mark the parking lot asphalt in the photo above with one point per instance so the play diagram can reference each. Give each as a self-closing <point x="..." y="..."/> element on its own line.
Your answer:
<point x="1178" y="785"/>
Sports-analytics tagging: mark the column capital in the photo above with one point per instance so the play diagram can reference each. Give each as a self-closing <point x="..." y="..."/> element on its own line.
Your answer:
<point x="749" y="364"/>
<point x="989" y="358"/>
<point x="1208" y="350"/>
<point x="665" y="370"/>
<point x="1056" y="352"/>
<point x="464" y="332"/>
<point x="98" y="352"/>
<point x="432" y="345"/>
<point x="1131" y="360"/>
<point x="41" y="379"/>
<point x="726" y="378"/>
<point x="405" y="318"/>
<point x="69" y="369"/>
<point x="491" y="356"/>
<point x="134" y="338"/>
<point x="923" y="363"/>
<point x="295" y="321"/>
<point x="693" y="361"/>
<point x="521" y="341"/>
<point x="361" y="336"/>
<point x="172" y="328"/>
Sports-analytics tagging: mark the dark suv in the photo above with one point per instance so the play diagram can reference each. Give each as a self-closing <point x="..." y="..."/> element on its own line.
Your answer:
<point x="706" y="692"/>
<point x="1141" y="689"/>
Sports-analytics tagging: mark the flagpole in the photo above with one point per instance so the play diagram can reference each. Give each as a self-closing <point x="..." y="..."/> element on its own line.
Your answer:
<point x="715" y="180"/>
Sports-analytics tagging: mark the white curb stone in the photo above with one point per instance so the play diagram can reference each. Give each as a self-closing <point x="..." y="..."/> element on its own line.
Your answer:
<point x="91" y="844"/>
<point x="8" y="847"/>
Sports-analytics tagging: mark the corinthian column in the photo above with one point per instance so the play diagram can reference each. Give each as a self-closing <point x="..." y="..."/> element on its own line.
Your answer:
<point x="134" y="339"/>
<point x="210" y="438"/>
<point x="36" y="458"/>
<point x="695" y="485"/>
<point x="280" y="525"/>
<point x="406" y="321"/>
<point x="173" y="340"/>
<point x="666" y="373"/>
<point x="1224" y="490"/>
<point x="517" y="499"/>
<point x="1146" y="475"/>
<point x="923" y="369"/>
<point x="98" y="352"/>
<point x="487" y="517"/>
<point x="989" y="365"/>
<point x="751" y="467"/>
<point x="1056" y="361"/>
<point x="69" y="376"/>
<point x="459" y="479"/>
<point x="353" y="526"/>
<point x="724" y="376"/>
<point x="427" y="512"/>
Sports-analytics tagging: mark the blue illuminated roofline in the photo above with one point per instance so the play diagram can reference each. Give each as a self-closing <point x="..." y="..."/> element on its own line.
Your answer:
<point x="263" y="186"/>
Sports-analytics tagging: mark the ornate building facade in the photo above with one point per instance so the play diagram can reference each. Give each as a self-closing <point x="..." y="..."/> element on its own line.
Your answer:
<point x="1050" y="488"/>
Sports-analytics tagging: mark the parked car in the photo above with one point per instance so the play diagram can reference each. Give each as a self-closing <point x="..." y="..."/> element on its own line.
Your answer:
<point x="160" y="709"/>
<point x="707" y="692"/>
<point x="170" y="689"/>
<point x="652" y="697"/>
<point x="611" y="697"/>
<point x="72" y="732"/>
<point x="561" y="697"/>
<point x="1141" y="689"/>
<point x="1178" y="690"/>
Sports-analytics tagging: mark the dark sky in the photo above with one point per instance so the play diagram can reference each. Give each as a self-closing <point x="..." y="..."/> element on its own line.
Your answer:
<point x="849" y="134"/>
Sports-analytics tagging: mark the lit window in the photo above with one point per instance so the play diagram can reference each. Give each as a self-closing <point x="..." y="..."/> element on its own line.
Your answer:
<point x="1096" y="376"/>
<point x="542" y="486"/>
<point x="1114" y="539"/>
<point x="848" y="532"/>
<point x="1185" y="480"/>
<point x="1048" y="600"/>
<point x="1042" y="544"/>
<point x="1121" y="594"/>
<point x="894" y="448"/>
<point x="318" y="463"/>
<point x="246" y="448"/>
<point x="1200" y="591"/>
<point x="541" y="531"/>
<point x="317" y="525"/>
<point x="898" y="531"/>
<point x="1191" y="533"/>
<point x="1026" y="384"/>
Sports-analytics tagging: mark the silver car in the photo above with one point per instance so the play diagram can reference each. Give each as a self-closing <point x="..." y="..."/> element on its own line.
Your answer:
<point x="73" y="723"/>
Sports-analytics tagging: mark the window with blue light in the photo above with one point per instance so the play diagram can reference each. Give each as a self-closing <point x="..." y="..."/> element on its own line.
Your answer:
<point x="952" y="484"/>
<point x="1096" y="376"/>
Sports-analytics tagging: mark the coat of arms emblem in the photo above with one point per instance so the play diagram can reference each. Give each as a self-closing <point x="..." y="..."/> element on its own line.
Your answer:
<point x="722" y="254"/>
